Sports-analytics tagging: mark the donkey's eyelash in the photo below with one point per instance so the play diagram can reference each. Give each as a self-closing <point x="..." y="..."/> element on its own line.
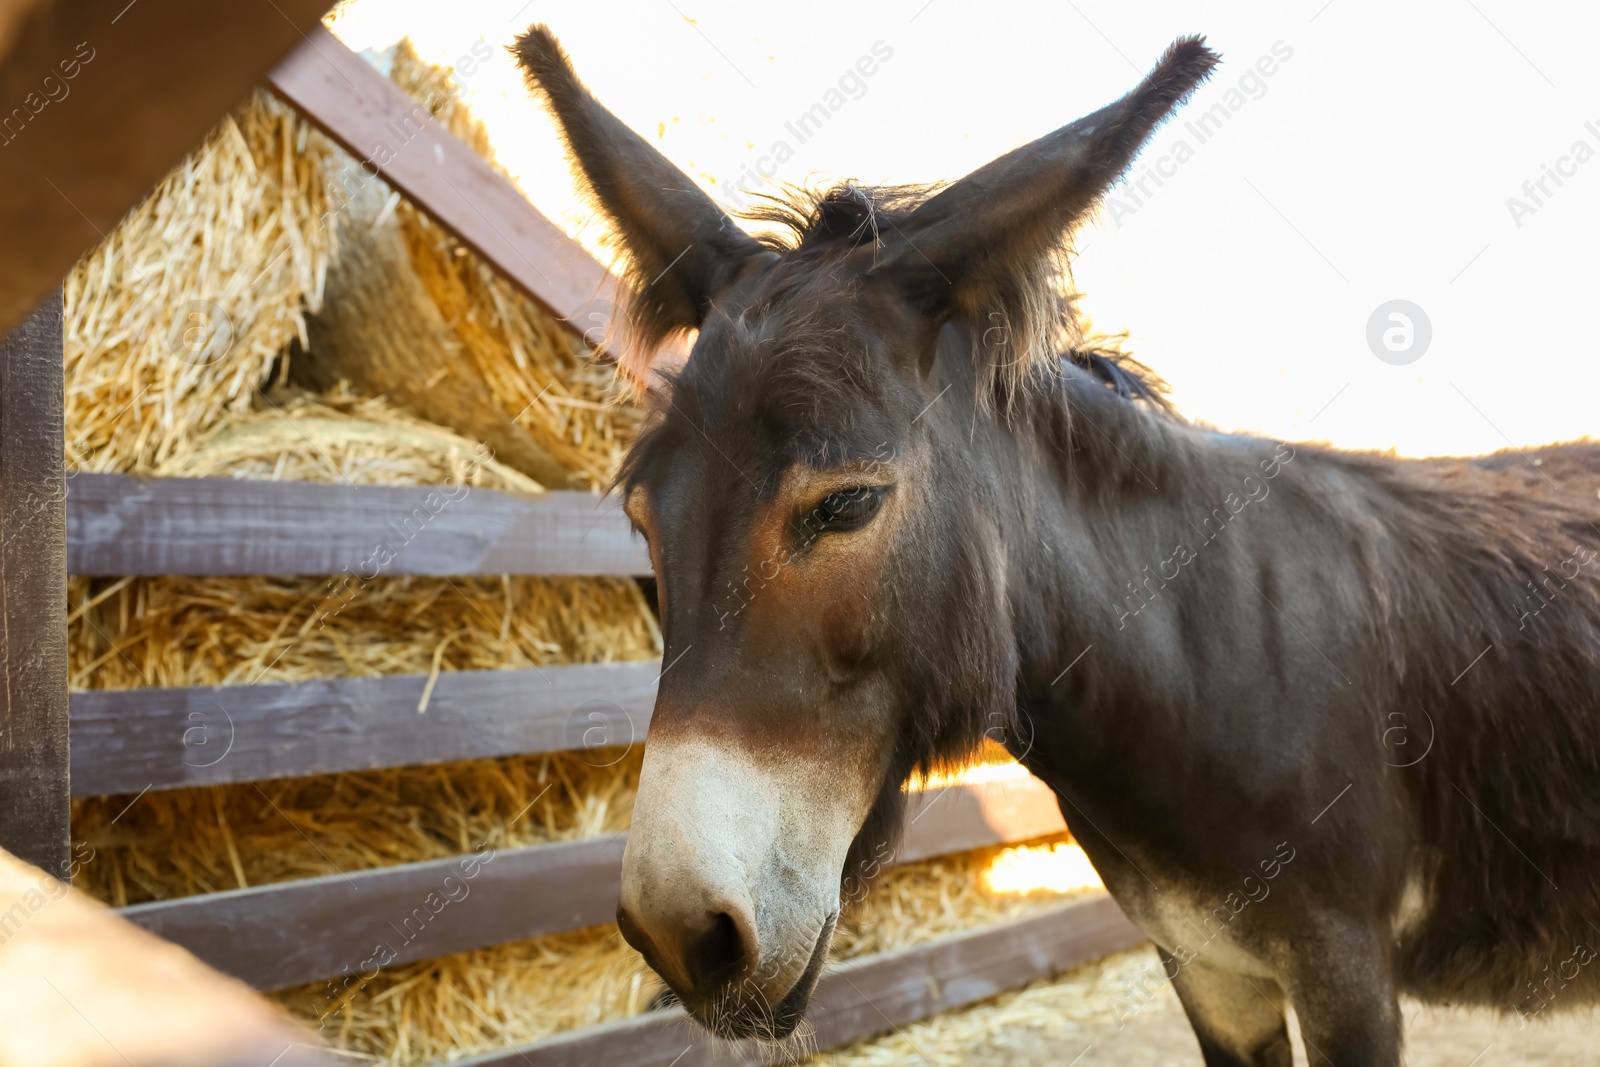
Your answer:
<point x="842" y="510"/>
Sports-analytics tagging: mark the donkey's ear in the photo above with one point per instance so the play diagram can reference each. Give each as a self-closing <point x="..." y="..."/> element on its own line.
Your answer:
<point x="681" y="248"/>
<point x="985" y="246"/>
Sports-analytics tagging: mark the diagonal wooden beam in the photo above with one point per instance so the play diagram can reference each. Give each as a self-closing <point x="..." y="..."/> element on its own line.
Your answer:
<point x="99" y="99"/>
<point x="80" y="987"/>
<point x="396" y="139"/>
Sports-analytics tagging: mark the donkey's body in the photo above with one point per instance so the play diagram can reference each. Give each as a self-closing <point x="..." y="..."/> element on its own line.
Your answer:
<point x="1325" y="723"/>
<point x="1376" y="679"/>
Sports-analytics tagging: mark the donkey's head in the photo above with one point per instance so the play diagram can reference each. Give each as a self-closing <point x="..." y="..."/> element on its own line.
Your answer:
<point x="818" y="490"/>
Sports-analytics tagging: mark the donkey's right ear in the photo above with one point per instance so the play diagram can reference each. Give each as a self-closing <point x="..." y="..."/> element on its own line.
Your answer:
<point x="681" y="248"/>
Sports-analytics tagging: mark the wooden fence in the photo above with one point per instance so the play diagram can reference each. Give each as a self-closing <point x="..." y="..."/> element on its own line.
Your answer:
<point x="289" y="933"/>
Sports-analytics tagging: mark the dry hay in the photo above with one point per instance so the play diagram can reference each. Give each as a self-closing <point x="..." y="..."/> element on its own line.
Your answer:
<point x="454" y="1006"/>
<point x="130" y="632"/>
<point x="180" y="631"/>
<point x="503" y="347"/>
<point x="546" y="380"/>
<point x="203" y="631"/>
<point x="947" y="894"/>
<point x="187" y="841"/>
<point x="340" y="437"/>
<point x="174" y="631"/>
<point x="520" y="992"/>
<point x="1058" y="1010"/>
<point x="177" y="317"/>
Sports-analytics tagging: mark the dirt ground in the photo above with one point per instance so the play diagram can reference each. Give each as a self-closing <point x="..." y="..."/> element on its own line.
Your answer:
<point x="1072" y="1022"/>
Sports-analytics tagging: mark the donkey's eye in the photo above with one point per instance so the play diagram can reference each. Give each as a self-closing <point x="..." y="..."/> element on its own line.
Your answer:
<point x="850" y="509"/>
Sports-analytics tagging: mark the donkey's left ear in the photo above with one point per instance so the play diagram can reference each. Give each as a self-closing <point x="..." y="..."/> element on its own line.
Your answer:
<point x="984" y="246"/>
<point x="681" y="248"/>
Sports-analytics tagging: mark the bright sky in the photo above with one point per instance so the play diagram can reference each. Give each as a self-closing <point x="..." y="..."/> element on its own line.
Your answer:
<point x="1374" y="163"/>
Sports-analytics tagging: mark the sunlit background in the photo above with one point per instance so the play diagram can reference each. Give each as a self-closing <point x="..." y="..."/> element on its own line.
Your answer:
<point x="1376" y="161"/>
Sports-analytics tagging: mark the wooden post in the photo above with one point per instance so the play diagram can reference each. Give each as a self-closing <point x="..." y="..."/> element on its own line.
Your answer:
<point x="35" y="813"/>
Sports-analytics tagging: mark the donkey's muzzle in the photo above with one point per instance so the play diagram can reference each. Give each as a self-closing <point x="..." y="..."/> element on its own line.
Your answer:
<point x="730" y="878"/>
<point x="714" y="971"/>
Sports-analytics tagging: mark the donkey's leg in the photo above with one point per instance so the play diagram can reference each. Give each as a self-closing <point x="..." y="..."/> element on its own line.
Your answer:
<point x="1238" y="1020"/>
<point x="1341" y="983"/>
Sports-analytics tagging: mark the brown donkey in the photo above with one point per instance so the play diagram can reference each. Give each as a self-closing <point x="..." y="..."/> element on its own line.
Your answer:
<point x="1325" y="723"/>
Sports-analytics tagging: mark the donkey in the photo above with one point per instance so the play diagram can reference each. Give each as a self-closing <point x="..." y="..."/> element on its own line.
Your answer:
<point x="1325" y="722"/>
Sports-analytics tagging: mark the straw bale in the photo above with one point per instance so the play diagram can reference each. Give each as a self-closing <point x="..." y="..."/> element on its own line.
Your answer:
<point x="381" y="330"/>
<point x="339" y="437"/>
<point x="179" y="314"/>
<point x="175" y="631"/>
<point x="130" y="632"/>
<point x="178" y="631"/>
<point x="417" y="317"/>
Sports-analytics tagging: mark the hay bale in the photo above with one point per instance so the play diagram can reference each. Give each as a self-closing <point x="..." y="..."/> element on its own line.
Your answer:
<point x="178" y="316"/>
<point x="381" y="331"/>
<point x="339" y="436"/>
<point x="415" y="316"/>
<point x="252" y="196"/>
<point x="179" y="631"/>
<point x="127" y="633"/>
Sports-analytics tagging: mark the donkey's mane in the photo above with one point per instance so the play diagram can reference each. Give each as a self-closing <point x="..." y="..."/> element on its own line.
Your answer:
<point x="827" y="222"/>
<point x="839" y="217"/>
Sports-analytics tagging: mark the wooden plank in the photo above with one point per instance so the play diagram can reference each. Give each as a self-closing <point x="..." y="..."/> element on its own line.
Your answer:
<point x="119" y="525"/>
<point x="80" y="987"/>
<point x="941" y="821"/>
<point x="35" y="809"/>
<point x="145" y="81"/>
<point x="294" y="932"/>
<point x="395" y="136"/>
<point x="126" y="741"/>
<point x="861" y="998"/>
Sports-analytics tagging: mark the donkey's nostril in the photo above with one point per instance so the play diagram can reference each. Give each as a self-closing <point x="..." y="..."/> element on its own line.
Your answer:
<point x="699" y="954"/>
<point x="717" y="954"/>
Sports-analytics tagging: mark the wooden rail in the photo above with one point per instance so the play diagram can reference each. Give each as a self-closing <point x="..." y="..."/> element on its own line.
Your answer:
<point x="129" y="740"/>
<point x="120" y="525"/>
<point x="293" y="932"/>
<point x="383" y="127"/>
<point x="861" y="998"/>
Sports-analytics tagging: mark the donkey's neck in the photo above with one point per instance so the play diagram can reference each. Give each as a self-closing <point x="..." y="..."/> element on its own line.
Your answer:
<point x="1114" y="509"/>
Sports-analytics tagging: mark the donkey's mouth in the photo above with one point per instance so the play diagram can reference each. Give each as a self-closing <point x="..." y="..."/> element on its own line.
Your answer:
<point x="735" y="1021"/>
